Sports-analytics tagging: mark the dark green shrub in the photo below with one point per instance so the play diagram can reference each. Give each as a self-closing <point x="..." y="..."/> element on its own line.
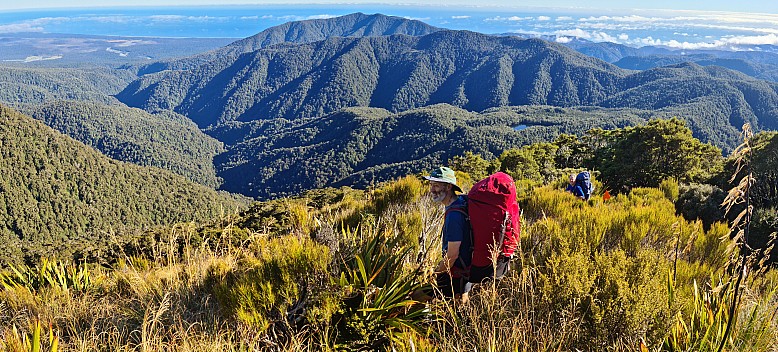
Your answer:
<point x="699" y="201"/>
<point x="377" y="308"/>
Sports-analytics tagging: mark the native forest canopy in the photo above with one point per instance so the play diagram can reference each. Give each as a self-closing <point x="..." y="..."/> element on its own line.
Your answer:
<point x="268" y="193"/>
<point x="62" y="198"/>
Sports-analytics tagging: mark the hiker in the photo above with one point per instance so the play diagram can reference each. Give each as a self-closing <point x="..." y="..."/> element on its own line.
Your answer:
<point x="451" y="273"/>
<point x="573" y="188"/>
<point x="580" y="185"/>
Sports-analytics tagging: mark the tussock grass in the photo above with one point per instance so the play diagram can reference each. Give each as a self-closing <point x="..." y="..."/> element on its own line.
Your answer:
<point x="336" y="270"/>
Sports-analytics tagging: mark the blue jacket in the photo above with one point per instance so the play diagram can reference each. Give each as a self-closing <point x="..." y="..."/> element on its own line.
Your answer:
<point x="576" y="190"/>
<point x="456" y="227"/>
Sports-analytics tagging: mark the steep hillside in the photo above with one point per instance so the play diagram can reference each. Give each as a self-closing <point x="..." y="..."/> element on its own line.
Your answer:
<point x="166" y="140"/>
<point x="308" y="31"/>
<point x="362" y="146"/>
<point x="59" y="197"/>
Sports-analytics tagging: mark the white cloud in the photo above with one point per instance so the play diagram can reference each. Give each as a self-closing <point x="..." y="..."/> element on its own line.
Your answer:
<point x="578" y="33"/>
<point x="564" y="18"/>
<point x="753" y="40"/>
<point x="730" y="43"/>
<point x="460" y="17"/>
<point x="417" y="18"/>
<point x="180" y="18"/>
<point x="623" y="36"/>
<point x="320" y="17"/>
<point x="130" y="42"/>
<point x="246" y="18"/>
<point x="512" y="18"/>
<point x="563" y="40"/>
<point x="20" y="27"/>
<point x="544" y="18"/>
<point x="166" y="18"/>
<point x="287" y="18"/>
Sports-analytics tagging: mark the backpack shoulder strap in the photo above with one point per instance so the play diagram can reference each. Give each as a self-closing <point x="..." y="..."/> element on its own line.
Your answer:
<point x="462" y="209"/>
<point x="459" y="208"/>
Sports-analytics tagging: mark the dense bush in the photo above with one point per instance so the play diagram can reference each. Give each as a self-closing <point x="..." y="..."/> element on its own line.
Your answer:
<point x="645" y="155"/>
<point x="274" y="280"/>
<point x="700" y="201"/>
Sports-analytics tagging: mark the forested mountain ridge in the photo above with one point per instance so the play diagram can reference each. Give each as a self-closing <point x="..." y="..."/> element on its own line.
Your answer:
<point x="60" y="197"/>
<point x="465" y="69"/>
<point x="166" y="140"/>
<point x="307" y="31"/>
<point x="757" y="64"/>
<point x="362" y="146"/>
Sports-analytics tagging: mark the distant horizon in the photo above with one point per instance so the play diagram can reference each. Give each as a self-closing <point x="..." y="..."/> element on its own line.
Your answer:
<point x="678" y="29"/>
<point x="759" y="6"/>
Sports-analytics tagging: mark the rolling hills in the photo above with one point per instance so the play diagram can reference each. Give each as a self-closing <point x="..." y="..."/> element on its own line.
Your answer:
<point x="22" y="85"/>
<point x="363" y="146"/>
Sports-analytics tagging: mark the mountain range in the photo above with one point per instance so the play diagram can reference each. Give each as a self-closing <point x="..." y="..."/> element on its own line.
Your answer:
<point x="363" y="146"/>
<point x="307" y="31"/>
<point x="268" y="110"/>
<point x="466" y="69"/>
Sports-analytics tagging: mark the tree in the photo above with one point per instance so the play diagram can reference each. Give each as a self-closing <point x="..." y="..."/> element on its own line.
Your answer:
<point x="643" y="156"/>
<point x="472" y="164"/>
<point x="534" y="162"/>
<point x="571" y="152"/>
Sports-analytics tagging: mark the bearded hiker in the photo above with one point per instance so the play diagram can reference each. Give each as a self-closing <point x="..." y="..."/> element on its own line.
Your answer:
<point x="451" y="273"/>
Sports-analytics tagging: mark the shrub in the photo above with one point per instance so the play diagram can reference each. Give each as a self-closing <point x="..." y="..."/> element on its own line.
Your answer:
<point x="619" y="298"/>
<point x="669" y="187"/>
<point x="700" y="201"/>
<point x="404" y="191"/>
<point x="377" y="310"/>
<point x="276" y="274"/>
<point x="52" y="274"/>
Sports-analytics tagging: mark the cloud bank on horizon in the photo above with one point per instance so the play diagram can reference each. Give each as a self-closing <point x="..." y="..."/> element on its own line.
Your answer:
<point x="670" y="28"/>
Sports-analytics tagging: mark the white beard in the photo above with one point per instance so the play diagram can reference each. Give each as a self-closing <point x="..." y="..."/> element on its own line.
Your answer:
<point x="438" y="196"/>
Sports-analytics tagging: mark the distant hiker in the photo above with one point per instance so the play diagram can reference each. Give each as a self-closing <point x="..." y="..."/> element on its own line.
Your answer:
<point x="573" y="188"/>
<point x="451" y="273"/>
<point x="580" y="185"/>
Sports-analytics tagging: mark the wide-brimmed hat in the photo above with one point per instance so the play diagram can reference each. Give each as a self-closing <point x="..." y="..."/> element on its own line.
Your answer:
<point x="445" y="175"/>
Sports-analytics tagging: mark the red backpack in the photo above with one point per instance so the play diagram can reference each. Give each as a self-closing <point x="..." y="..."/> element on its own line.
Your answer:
<point x="494" y="218"/>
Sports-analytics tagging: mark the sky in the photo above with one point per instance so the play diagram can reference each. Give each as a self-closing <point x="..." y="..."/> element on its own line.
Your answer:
<point x="711" y="24"/>
<point x="755" y="6"/>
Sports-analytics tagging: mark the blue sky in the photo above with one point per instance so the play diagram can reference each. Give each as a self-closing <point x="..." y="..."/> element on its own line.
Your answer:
<point x="758" y="6"/>
<point x="740" y="27"/>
